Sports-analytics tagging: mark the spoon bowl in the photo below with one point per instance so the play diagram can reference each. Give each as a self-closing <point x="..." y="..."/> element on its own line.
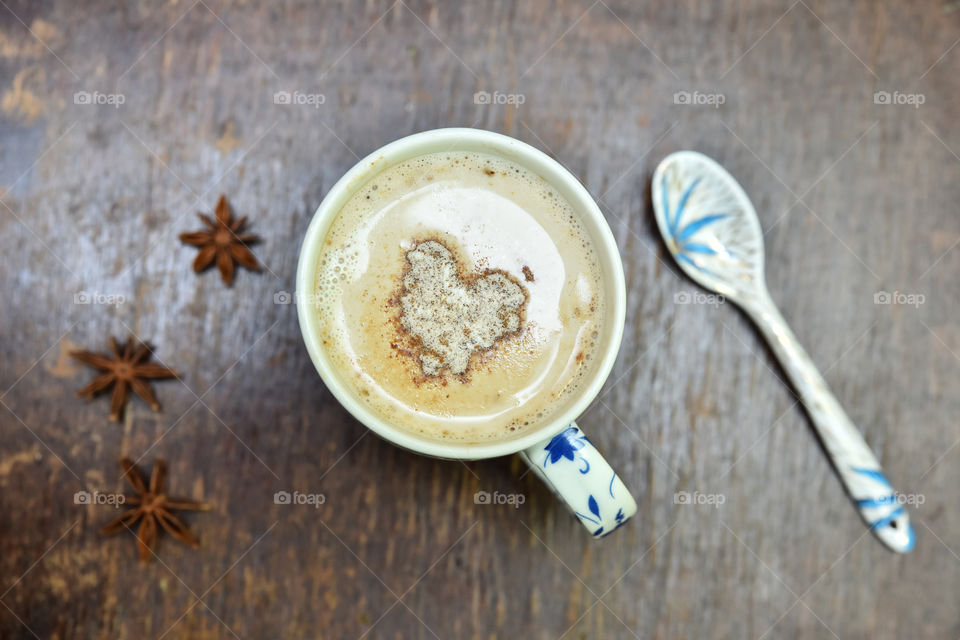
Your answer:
<point x="709" y="225"/>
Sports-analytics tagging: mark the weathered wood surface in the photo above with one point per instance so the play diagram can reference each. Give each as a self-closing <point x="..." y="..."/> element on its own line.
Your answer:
<point x="855" y="198"/>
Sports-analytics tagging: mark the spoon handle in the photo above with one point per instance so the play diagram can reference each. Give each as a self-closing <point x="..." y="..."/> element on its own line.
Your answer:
<point x="872" y="494"/>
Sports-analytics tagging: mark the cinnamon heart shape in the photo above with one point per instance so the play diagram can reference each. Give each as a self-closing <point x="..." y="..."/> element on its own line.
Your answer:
<point x="452" y="314"/>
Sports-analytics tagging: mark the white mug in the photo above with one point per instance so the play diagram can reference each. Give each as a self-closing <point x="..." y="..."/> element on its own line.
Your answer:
<point x="556" y="450"/>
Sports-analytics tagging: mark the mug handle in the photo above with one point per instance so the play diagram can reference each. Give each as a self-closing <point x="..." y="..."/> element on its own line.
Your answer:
<point x="573" y="468"/>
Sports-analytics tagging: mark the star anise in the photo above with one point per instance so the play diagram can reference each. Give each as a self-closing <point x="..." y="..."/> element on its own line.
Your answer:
<point x="223" y="241"/>
<point x="153" y="506"/>
<point x="125" y="370"/>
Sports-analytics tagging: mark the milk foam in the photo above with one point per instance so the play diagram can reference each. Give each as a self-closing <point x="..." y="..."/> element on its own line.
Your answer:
<point x="483" y="215"/>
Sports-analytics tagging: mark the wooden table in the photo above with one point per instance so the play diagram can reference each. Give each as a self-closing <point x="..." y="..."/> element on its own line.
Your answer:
<point x="119" y="121"/>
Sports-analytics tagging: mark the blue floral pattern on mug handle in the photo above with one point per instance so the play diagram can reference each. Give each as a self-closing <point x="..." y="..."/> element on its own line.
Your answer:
<point x="573" y="468"/>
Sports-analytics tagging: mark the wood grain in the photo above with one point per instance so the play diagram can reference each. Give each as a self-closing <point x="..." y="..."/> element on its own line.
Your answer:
<point x="855" y="198"/>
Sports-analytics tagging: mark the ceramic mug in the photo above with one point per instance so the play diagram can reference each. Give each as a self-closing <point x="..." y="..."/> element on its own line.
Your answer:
<point x="557" y="450"/>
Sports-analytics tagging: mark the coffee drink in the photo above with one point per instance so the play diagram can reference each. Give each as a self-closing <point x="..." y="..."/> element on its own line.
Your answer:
<point x="459" y="296"/>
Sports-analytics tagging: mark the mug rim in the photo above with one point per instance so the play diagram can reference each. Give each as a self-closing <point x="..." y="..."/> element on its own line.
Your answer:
<point x="531" y="159"/>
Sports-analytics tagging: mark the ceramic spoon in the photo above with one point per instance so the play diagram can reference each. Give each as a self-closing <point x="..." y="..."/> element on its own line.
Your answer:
<point x="712" y="230"/>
